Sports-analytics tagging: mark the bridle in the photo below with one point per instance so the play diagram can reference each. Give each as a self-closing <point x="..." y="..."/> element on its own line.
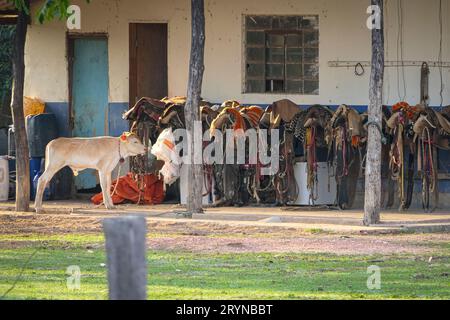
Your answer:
<point x="121" y="159"/>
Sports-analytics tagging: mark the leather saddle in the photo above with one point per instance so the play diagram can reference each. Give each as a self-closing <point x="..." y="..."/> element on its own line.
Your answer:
<point x="434" y="121"/>
<point x="230" y="104"/>
<point x="317" y="116"/>
<point x="446" y="112"/>
<point x="145" y="107"/>
<point x="350" y="119"/>
<point x="207" y="115"/>
<point x="242" y="119"/>
<point x="173" y="116"/>
<point x="252" y="115"/>
<point x="443" y="124"/>
<point x="283" y="110"/>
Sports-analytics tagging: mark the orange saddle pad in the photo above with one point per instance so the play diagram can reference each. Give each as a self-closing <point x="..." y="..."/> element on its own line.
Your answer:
<point x="149" y="190"/>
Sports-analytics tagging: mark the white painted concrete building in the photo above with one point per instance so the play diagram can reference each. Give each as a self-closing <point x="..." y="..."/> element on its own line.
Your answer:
<point x="343" y="36"/>
<point x="257" y="52"/>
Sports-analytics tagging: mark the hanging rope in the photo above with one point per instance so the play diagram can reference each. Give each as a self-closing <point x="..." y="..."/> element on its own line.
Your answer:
<point x="440" y="57"/>
<point x="386" y="96"/>
<point x="312" y="164"/>
<point x="207" y="179"/>
<point x="400" y="56"/>
<point x="428" y="169"/>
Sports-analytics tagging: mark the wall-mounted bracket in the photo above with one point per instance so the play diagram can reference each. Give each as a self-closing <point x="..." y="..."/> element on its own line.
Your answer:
<point x="352" y="64"/>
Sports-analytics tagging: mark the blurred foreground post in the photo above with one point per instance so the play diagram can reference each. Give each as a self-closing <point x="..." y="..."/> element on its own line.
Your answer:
<point x="126" y="257"/>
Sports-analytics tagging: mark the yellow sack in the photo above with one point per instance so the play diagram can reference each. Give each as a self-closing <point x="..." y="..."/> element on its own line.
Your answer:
<point x="32" y="106"/>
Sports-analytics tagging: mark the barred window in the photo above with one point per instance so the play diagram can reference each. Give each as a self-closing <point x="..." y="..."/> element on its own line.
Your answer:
<point x="282" y="54"/>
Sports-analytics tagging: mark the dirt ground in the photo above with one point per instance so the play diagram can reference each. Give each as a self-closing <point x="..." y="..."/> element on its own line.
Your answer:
<point x="200" y="236"/>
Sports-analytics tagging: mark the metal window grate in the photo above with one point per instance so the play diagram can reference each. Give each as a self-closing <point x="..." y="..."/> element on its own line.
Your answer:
<point x="282" y="54"/>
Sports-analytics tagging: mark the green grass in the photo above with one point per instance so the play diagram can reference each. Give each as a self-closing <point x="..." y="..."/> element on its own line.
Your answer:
<point x="184" y="275"/>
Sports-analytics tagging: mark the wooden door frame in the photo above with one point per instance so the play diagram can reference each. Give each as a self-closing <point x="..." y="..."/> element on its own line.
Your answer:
<point x="132" y="80"/>
<point x="70" y="52"/>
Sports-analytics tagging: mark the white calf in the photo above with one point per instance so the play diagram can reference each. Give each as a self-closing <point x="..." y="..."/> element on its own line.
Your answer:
<point x="100" y="153"/>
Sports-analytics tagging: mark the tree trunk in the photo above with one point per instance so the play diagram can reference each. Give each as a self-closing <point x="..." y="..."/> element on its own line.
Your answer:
<point x="22" y="153"/>
<point x="192" y="108"/>
<point x="372" y="202"/>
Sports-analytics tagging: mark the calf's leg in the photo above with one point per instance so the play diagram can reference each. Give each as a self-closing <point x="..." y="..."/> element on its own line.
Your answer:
<point x="48" y="174"/>
<point x="106" y="189"/>
<point x="109" y="185"/>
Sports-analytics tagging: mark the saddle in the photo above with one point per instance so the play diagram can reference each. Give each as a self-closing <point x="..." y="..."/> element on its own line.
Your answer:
<point x="207" y="115"/>
<point x="434" y="121"/>
<point x="243" y="119"/>
<point x="231" y="179"/>
<point x="343" y="136"/>
<point x="173" y="116"/>
<point x="253" y="115"/>
<point x="264" y="123"/>
<point x="446" y="112"/>
<point x="296" y="126"/>
<point x="282" y="110"/>
<point x="409" y="111"/>
<point x="350" y="118"/>
<point x="443" y="124"/>
<point x="430" y="134"/>
<point x="181" y="100"/>
<point x="396" y="119"/>
<point x="318" y="117"/>
<point x="148" y="107"/>
<point x="230" y="104"/>
<point x="208" y="112"/>
<point x="174" y="111"/>
<point x="399" y="126"/>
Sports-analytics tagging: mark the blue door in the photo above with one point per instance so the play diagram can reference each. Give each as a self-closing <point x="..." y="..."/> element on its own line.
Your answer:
<point x="89" y="96"/>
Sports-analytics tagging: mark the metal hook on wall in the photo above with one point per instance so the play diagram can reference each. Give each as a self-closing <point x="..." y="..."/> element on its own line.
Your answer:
<point x="361" y="70"/>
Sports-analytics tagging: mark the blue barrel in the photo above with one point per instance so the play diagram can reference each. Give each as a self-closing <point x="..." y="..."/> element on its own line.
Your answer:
<point x="41" y="129"/>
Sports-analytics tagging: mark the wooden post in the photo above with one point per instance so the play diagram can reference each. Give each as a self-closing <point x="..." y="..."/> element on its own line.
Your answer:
<point x="192" y="109"/>
<point x="372" y="202"/>
<point x="126" y="257"/>
<point x="20" y="134"/>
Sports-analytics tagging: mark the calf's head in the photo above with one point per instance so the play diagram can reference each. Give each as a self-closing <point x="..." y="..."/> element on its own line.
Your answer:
<point x="131" y="145"/>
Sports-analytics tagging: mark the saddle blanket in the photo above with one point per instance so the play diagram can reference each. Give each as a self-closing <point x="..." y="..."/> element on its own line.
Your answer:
<point x="129" y="191"/>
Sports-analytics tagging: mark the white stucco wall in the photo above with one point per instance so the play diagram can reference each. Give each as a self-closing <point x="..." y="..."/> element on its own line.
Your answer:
<point x="343" y="36"/>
